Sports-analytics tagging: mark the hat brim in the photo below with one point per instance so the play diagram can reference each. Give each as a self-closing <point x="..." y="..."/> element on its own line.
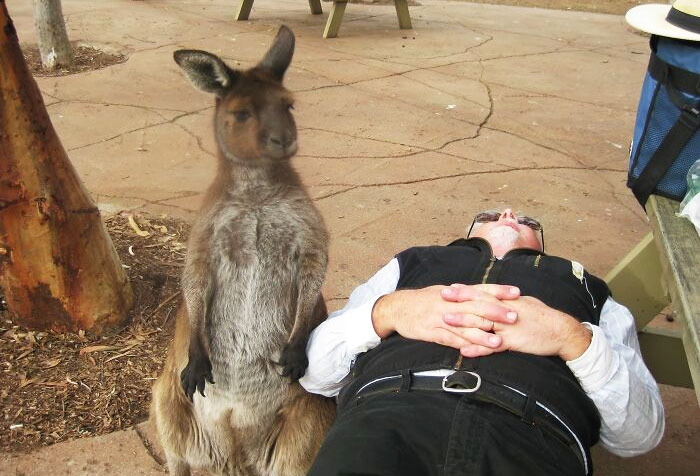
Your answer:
<point x="651" y="18"/>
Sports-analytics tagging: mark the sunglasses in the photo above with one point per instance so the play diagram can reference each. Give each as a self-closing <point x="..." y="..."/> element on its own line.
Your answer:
<point x="493" y="215"/>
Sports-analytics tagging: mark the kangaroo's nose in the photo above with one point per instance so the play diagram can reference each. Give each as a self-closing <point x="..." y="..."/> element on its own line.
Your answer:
<point x="281" y="141"/>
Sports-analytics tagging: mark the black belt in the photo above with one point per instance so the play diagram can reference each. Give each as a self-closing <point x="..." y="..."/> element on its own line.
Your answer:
<point x="474" y="386"/>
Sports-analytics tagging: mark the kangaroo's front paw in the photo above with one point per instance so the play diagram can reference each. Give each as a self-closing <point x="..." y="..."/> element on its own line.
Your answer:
<point x="194" y="375"/>
<point x="293" y="361"/>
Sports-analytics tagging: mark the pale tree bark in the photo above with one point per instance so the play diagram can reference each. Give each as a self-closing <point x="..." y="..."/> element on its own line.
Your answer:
<point x="58" y="267"/>
<point x="51" y="34"/>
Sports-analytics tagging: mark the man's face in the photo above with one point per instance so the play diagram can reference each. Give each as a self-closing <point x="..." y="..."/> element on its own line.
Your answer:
<point x="506" y="234"/>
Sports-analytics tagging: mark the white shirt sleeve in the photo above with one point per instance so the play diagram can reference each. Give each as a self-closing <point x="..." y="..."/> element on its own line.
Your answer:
<point x="334" y="345"/>
<point x="614" y="376"/>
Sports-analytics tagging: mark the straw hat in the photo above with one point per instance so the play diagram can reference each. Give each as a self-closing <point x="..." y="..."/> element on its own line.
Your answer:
<point x="680" y="20"/>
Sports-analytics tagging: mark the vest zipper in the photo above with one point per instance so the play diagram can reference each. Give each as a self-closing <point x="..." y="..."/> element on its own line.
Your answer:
<point x="492" y="260"/>
<point x="488" y="270"/>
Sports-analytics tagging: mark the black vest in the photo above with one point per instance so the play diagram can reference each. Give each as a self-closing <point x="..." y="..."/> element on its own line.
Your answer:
<point x="551" y="279"/>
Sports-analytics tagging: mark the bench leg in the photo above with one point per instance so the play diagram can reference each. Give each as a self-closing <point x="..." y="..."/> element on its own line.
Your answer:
<point x="244" y="10"/>
<point x="335" y="19"/>
<point x="402" y="13"/>
<point x="315" y="6"/>
<point x="636" y="282"/>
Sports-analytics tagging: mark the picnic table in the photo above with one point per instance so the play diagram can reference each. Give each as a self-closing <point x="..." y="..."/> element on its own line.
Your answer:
<point x="335" y="18"/>
<point x="664" y="267"/>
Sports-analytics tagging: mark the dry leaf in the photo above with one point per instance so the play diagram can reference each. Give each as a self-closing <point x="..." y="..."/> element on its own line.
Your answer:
<point x="24" y="382"/>
<point x="49" y="364"/>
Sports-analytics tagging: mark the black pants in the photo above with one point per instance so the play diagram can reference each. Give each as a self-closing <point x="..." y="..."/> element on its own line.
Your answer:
<point x="425" y="433"/>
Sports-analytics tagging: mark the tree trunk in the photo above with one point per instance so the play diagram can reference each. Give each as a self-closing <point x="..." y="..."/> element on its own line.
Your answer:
<point x="58" y="267"/>
<point x="54" y="46"/>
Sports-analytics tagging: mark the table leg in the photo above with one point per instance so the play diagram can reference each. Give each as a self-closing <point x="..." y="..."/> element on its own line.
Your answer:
<point x="335" y="19"/>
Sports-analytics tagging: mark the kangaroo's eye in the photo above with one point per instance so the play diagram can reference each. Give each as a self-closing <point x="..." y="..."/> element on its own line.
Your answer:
<point x="241" y="116"/>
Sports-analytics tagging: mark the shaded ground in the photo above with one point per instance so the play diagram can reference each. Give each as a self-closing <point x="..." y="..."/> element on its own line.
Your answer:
<point x="55" y="387"/>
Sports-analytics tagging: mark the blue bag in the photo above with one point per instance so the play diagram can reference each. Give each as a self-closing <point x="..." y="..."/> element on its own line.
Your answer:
<point x="666" y="142"/>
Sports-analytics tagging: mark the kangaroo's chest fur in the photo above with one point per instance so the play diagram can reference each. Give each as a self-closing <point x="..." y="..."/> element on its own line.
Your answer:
<point x="257" y="237"/>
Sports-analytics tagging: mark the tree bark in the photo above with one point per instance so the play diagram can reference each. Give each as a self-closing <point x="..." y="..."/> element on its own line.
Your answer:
<point x="58" y="267"/>
<point x="54" y="46"/>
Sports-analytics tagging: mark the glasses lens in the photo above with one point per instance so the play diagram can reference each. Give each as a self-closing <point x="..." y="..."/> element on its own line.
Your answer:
<point x="485" y="217"/>
<point x="531" y="222"/>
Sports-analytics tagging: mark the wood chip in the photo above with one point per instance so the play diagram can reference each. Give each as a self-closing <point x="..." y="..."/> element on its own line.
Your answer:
<point x="24" y="354"/>
<point x="125" y="354"/>
<point x="136" y="228"/>
<point x="97" y="348"/>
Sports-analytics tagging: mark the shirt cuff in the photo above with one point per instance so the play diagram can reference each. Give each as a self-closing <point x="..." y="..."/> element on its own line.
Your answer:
<point x="360" y="334"/>
<point x="596" y="365"/>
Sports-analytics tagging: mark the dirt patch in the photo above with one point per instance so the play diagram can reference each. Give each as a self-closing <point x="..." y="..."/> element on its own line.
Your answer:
<point x="56" y="387"/>
<point x="85" y="58"/>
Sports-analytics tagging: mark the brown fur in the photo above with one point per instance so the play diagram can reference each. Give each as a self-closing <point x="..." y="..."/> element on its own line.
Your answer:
<point x="256" y="261"/>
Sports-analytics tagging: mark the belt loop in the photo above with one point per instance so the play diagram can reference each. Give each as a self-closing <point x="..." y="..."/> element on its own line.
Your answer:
<point x="406" y="378"/>
<point x="530" y="406"/>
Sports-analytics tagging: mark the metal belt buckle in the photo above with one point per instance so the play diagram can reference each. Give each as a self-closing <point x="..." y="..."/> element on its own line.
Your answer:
<point x="459" y="380"/>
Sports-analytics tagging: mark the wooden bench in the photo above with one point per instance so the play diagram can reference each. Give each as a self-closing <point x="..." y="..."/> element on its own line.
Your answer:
<point x="664" y="267"/>
<point x="336" y="16"/>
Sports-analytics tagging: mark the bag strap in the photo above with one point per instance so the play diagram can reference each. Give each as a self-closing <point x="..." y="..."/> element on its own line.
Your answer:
<point x="678" y="78"/>
<point x="680" y="134"/>
<point x="674" y="76"/>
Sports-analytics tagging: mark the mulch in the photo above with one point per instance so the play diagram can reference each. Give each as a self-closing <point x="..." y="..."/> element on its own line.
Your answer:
<point x="85" y="58"/>
<point x="56" y="387"/>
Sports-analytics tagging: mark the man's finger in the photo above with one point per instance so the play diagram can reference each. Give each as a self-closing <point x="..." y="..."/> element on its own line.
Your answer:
<point x="449" y="339"/>
<point x="487" y="292"/>
<point x="481" y="338"/>
<point x="495" y="312"/>
<point x="469" y="320"/>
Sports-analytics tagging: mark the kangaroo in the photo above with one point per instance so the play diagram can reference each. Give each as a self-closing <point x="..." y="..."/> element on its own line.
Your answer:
<point x="227" y="399"/>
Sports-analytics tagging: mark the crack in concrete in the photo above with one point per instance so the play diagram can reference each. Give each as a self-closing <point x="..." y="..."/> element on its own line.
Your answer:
<point x="489" y="95"/>
<point x="147" y="202"/>
<point x="387" y="60"/>
<point x="423" y="150"/>
<point x="548" y="95"/>
<point x="196" y="138"/>
<point x="154" y="110"/>
<point x="169" y="121"/>
<point x="541" y="53"/>
<point x="533" y="142"/>
<point x="469" y="174"/>
<point x="333" y="194"/>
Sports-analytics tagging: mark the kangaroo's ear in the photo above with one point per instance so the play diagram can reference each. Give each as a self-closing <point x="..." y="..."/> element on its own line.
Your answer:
<point x="206" y="70"/>
<point x="279" y="55"/>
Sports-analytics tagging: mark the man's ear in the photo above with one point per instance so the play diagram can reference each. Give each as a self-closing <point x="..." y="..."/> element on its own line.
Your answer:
<point x="205" y="70"/>
<point x="278" y="57"/>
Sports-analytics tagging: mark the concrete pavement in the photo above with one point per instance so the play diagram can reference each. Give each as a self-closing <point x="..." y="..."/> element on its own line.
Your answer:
<point x="404" y="135"/>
